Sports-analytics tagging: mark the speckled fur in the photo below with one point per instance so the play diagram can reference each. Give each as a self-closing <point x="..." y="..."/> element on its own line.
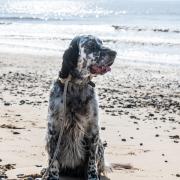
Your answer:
<point x="81" y="152"/>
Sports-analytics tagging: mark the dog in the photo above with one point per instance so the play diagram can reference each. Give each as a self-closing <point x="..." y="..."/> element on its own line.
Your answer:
<point x="81" y="152"/>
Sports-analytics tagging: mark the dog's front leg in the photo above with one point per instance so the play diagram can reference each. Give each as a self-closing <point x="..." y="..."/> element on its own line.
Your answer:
<point x="52" y="137"/>
<point x="92" y="163"/>
<point x="55" y="114"/>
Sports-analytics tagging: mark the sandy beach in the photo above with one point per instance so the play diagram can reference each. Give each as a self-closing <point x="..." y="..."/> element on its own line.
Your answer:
<point x="139" y="114"/>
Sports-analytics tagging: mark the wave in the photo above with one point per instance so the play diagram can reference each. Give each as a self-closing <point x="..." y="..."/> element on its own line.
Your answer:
<point x="127" y="28"/>
<point x="5" y="23"/>
<point x="19" y="18"/>
<point x="44" y="19"/>
<point x="142" y="43"/>
<point x="114" y="41"/>
<point x="6" y="20"/>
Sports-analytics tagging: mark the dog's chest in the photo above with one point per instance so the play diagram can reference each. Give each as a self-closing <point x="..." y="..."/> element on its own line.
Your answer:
<point x="78" y="99"/>
<point x="73" y="145"/>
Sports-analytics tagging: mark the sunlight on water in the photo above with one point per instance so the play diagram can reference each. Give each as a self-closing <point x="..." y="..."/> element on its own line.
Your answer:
<point x="139" y="31"/>
<point x="46" y="7"/>
<point x="56" y="9"/>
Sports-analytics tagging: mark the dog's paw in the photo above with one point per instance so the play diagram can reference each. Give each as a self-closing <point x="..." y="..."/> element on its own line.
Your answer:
<point x="93" y="177"/>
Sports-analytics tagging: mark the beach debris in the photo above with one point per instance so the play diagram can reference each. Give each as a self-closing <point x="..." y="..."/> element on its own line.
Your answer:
<point x="133" y="117"/>
<point x="135" y="122"/>
<point x="4" y="168"/>
<point x="20" y="175"/>
<point x="7" y="104"/>
<point x="29" y="176"/>
<point x="22" y="102"/>
<point x="128" y="106"/>
<point x="132" y="153"/>
<point x="10" y="126"/>
<point x="151" y="114"/>
<point x="103" y="128"/>
<point x="15" y="132"/>
<point x="175" y="137"/>
<point x="145" y="151"/>
<point x="105" y="144"/>
<point x="118" y="166"/>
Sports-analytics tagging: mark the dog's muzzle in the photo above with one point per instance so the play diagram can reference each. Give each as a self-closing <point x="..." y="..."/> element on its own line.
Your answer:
<point x="95" y="69"/>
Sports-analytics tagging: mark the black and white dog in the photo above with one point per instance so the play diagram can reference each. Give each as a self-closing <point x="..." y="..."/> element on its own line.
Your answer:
<point x="81" y="151"/>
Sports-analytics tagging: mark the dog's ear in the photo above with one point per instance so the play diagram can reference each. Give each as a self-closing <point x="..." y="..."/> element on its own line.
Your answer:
<point x="70" y="58"/>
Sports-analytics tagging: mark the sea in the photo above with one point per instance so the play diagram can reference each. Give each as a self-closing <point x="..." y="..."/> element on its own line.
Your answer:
<point x="141" y="31"/>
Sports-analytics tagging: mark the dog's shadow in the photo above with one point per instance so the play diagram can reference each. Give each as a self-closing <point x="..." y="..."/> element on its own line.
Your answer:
<point x="68" y="178"/>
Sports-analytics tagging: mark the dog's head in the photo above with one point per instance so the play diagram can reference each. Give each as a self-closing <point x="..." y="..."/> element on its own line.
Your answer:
<point x="85" y="57"/>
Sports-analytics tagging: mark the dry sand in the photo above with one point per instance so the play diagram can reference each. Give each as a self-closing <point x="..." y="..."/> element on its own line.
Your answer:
<point x="139" y="112"/>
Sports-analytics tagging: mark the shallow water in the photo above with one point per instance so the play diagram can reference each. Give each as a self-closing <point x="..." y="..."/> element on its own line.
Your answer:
<point x="140" y="31"/>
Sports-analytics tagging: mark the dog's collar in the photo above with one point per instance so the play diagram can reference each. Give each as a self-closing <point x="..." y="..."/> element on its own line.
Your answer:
<point x="62" y="81"/>
<point x="91" y="84"/>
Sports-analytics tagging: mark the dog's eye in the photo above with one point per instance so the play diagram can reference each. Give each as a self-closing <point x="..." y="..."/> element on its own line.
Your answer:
<point x="92" y="46"/>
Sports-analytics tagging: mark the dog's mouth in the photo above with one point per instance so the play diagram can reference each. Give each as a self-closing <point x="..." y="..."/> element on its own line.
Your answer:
<point x="95" y="69"/>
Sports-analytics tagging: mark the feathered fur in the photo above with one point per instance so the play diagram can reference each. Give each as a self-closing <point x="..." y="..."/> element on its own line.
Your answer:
<point x="81" y="152"/>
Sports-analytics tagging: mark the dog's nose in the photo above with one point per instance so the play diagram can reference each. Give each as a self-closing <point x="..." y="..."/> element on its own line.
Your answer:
<point x="113" y="53"/>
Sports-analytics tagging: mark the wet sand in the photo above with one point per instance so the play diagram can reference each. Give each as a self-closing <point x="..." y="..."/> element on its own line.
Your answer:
<point x="139" y="114"/>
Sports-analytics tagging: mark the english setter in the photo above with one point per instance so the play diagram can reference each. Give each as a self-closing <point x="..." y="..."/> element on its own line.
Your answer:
<point x="81" y="151"/>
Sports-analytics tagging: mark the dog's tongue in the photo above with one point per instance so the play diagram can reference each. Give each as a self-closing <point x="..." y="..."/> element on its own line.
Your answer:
<point x="100" y="69"/>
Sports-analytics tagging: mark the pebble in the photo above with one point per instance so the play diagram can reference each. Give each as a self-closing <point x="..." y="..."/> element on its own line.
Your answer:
<point x="133" y="117"/>
<point x="3" y="177"/>
<point x="128" y="106"/>
<point x="30" y="178"/>
<point x="151" y="114"/>
<point x="15" y="132"/>
<point x="135" y="122"/>
<point x="20" y="175"/>
<point x="105" y="144"/>
<point x="21" y="102"/>
<point x="7" y="104"/>
<point x="175" y="137"/>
